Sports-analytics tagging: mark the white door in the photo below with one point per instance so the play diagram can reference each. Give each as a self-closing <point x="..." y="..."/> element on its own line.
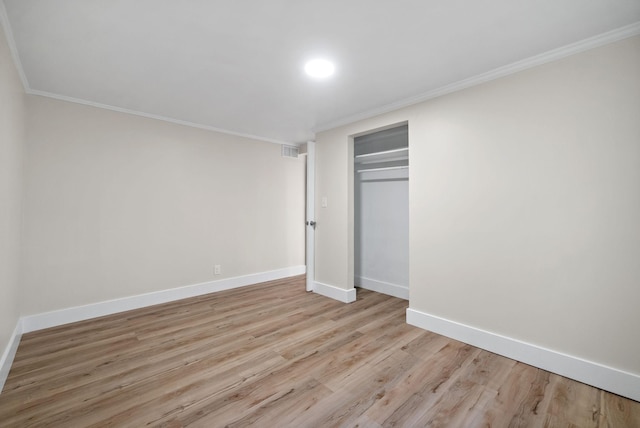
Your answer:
<point x="311" y="212"/>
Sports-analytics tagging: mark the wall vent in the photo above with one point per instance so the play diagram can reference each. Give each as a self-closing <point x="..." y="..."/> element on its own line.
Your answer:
<point x="289" y="151"/>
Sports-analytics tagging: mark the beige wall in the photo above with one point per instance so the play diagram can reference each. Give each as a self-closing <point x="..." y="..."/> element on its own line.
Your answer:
<point x="333" y="171"/>
<point x="118" y="205"/>
<point x="524" y="205"/>
<point x="11" y="155"/>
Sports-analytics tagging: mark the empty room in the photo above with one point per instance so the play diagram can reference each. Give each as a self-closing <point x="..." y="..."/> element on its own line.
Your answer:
<point x="320" y="213"/>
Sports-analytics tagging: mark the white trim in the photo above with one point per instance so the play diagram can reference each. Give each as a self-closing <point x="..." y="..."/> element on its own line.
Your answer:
<point x="9" y="353"/>
<point x="81" y="313"/>
<point x="8" y="32"/>
<point x="311" y="214"/>
<point x="336" y="293"/>
<point x="156" y="117"/>
<point x="552" y="55"/>
<point x="534" y="61"/>
<point x="595" y="374"/>
<point x="394" y="290"/>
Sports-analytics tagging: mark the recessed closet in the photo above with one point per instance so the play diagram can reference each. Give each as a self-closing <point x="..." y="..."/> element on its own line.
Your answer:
<point x="381" y="211"/>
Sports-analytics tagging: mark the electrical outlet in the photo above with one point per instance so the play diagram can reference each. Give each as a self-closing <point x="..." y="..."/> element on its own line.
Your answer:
<point x="216" y="269"/>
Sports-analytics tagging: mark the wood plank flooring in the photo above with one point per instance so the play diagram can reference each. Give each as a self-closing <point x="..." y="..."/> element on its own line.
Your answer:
<point x="273" y="355"/>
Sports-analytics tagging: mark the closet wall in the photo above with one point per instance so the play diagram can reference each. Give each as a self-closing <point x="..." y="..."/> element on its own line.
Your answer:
<point x="381" y="212"/>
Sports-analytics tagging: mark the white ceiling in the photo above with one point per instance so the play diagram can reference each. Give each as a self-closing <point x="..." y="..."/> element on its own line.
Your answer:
<point x="237" y="65"/>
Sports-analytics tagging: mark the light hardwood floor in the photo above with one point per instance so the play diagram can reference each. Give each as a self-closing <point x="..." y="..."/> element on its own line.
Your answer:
<point x="274" y="355"/>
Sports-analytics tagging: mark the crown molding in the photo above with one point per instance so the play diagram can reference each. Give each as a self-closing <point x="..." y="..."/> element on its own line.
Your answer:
<point x="534" y="61"/>
<point x="546" y="57"/>
<point x="6" y="25"/>
<point x="4" y="20"/>
<point x="8" y="33"/>
<point x="155" y="116"/>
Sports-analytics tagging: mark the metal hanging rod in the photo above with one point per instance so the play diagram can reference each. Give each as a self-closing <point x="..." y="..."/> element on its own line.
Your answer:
<point x="404" y="149"/>
<point x="388" y="168"/>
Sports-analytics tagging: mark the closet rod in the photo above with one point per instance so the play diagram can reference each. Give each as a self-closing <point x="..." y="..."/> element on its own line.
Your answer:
<point x="386" y="152"/>
<point x="388" y="168"/>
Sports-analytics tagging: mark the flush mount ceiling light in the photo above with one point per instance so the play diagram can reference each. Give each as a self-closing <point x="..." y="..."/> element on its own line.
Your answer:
<point x="319" y="68"/>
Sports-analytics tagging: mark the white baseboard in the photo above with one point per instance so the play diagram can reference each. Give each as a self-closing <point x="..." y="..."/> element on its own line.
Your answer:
<point x="81" y="313"/>
<point x="344" y="296"/>
<point x="394" y="290"/>
<point x="595" y="374"/>
<point x="9" y="353"/>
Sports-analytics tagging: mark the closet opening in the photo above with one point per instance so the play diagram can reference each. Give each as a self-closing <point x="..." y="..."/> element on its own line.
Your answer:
<point x="381" y="211"/>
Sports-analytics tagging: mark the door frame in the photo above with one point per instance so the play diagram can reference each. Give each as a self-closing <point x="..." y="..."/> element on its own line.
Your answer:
<point x="311" y="214"/>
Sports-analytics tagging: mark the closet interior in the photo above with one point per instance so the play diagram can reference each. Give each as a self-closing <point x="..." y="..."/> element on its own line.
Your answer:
<point x="381" y="211"/>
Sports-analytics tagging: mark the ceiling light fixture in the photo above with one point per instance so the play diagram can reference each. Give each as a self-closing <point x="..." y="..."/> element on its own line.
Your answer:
<point x="319" y="68"/>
